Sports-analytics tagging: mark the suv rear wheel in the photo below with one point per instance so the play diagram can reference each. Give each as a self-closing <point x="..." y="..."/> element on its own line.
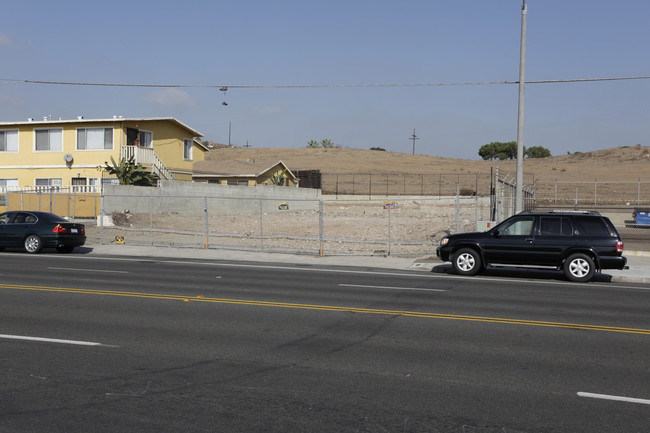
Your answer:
<point x="467" y="262"/>
<point x="579" y="267"/>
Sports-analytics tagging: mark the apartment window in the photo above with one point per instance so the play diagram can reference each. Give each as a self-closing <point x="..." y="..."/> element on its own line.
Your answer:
<point x="146" y="139"/>
<point x="51" y="182"/>
<point x="8" y="141"/>
<point x="110" y="181"/>
<point x="8" y="184"/>
<point x="187" y="150"/>
<point x="95" y="139"/>
<point x="49" y="139"/>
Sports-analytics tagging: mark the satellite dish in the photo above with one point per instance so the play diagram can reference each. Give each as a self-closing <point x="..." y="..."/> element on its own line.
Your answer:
<point x="67" y="157"/>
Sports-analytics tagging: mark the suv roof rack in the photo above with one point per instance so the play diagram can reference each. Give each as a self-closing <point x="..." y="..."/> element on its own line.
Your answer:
<point x="560" y="211"/>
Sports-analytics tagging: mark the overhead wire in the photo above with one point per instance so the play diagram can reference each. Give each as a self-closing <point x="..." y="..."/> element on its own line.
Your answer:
<point x="300" y="86"/>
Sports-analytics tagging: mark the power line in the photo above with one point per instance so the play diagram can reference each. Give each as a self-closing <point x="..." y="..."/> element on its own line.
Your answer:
<point x="316" y="86"/>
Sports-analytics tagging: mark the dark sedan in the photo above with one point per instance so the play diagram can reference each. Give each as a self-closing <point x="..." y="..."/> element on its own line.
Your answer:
<point x="34" y="231"/>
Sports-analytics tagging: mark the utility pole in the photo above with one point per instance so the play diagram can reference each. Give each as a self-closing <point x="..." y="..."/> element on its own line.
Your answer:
<point x="414" y="137"/>
<point x="519" y="191"/>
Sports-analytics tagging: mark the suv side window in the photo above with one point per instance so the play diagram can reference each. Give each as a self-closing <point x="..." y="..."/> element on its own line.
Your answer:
<point x="593" y="226"/>
<point x="555" y="226"/>
<point x="517" y="226"/>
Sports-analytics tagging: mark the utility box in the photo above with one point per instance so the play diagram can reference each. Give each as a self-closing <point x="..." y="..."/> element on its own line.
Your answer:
<point x="483" y="226"/>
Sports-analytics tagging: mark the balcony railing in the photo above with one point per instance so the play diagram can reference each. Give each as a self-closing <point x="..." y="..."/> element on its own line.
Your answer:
<point x="45" y="189"/>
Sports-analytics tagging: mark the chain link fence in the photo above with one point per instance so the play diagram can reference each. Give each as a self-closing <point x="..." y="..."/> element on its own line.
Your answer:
<point x="337" y="224"/>
<point x="405" y="226"/>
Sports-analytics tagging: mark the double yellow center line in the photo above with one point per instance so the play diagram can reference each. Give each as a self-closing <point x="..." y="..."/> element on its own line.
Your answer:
<point x="332" y="308"/>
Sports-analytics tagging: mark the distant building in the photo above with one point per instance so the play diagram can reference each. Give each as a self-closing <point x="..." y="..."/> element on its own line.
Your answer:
<point x="249" y="173"/>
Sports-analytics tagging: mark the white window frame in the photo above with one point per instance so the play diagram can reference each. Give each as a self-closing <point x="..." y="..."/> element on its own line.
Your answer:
<point x="59" y="148"/>
<point x="56" y="182"/>
<point x="187" y="142"/>
<point x="143" y="134"/>
<point x="10" y="146"/>
<point x="110" y="181"/>
<point x="10" y="184"/>
<point x="95" y="148"/>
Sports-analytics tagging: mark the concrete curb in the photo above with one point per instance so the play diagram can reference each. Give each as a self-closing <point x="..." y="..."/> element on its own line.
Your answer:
<point x="638" y="261"/>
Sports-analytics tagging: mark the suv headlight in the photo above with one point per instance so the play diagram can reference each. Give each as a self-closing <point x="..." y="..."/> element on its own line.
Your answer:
<point x="444" y="241"/>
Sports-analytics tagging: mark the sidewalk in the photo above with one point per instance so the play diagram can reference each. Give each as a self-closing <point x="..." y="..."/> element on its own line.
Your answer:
<point x="638" y="261"/>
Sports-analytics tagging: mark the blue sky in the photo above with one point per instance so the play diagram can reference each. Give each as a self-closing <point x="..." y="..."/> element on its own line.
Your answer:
<point x="334" y="42"/>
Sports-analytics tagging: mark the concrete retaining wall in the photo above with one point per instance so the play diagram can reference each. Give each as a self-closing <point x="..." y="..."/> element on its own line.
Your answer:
<point x="189" y="197"/>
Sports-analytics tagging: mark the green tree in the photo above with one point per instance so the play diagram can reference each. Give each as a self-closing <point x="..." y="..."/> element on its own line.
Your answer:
<point x="498" y="150"/>
<point x="324" y="143"/>
<point x="327" y="143"/>
<point x="377" y="148"/>
<point x="130" y="173"/>
<point x="537" y="152"/>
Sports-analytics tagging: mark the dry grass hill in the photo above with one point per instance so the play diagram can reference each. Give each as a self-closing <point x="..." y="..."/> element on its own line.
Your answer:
<point x="619" y="164"/>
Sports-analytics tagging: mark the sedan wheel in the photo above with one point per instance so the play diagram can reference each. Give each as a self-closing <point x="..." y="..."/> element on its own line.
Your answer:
<point x="33" y="244"/>
<point x="579" y="268"/>
<point x="467" y="262"/>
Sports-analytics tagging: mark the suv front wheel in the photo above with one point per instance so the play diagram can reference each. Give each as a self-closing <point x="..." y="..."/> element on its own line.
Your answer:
<point x="467" y="262"/>
<point x="579" y="267"/>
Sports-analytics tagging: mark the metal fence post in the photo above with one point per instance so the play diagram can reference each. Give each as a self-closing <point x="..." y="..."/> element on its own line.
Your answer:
<point x="321" y="228"/>
<point x="205" y="218"/>
<point x="151" y="220"/>
<point x="74" y="203"/>
<point x="261" y="225"/>
<point x="389" y="228"/>
<point x="457" y="210"/>
<point x="101" y="219"/>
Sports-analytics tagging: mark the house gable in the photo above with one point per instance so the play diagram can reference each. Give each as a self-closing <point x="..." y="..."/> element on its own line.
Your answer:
<point x="248" y="172"/>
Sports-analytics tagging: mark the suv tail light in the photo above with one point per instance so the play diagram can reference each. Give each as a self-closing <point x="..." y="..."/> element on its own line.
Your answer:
<point x="59" y="229"/>
<point x="619" y="246"/>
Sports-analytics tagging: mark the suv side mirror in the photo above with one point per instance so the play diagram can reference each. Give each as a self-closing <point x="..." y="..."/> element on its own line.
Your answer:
<point x="497" y="233"/>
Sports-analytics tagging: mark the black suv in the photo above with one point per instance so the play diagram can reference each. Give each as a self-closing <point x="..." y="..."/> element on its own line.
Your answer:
<point x="577" y="242"/>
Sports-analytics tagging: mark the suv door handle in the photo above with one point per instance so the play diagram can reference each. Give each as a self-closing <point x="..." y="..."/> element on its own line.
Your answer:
<point x="529" y="240"/>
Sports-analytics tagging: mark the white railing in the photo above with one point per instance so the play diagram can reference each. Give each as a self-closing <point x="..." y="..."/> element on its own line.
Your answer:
<point x="48" y="189"/>
<point x="147" y="157"/>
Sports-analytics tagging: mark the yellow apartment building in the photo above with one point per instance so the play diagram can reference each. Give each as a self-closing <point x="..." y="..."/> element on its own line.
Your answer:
<point x="54" y="154"/>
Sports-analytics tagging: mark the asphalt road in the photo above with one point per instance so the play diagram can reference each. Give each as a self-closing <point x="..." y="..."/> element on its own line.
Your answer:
<point x="102" y="344"/>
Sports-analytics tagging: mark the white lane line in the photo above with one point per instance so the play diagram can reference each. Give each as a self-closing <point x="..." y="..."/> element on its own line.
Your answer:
<point x="392" y="288"/>
<point x="614" y="397"/>
<point x="51" y="340"/>
<point x="89" y="270"/>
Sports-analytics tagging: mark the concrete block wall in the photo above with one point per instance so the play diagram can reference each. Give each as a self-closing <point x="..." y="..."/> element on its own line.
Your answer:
<point x="190" y="197"/>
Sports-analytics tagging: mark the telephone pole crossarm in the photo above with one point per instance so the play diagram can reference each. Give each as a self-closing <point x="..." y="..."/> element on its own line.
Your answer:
<point x="414" y="137"/>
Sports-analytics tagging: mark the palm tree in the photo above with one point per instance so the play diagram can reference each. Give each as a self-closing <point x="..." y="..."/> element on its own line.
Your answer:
<point x="130" y="173"/>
